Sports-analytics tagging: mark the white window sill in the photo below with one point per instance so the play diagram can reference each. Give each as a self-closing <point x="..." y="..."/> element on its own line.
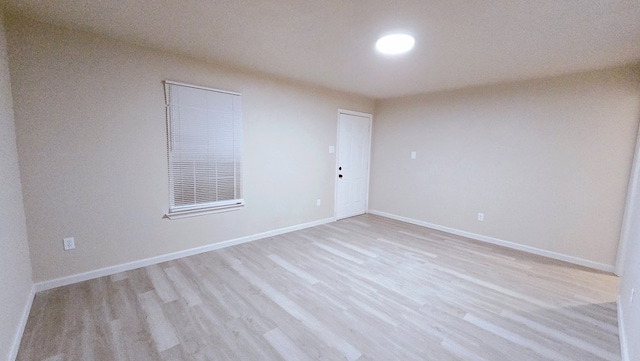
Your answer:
<point x="203" y="211"/>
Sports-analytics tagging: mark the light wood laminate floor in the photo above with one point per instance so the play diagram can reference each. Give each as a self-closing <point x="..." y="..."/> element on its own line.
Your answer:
<point x="363" y="288"/>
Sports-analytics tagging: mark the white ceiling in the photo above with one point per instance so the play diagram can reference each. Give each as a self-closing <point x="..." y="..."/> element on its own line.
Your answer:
<point x="459" y="43"/>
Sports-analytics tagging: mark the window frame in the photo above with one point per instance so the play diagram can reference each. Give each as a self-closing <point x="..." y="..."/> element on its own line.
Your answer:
<point x="201" y="208"/>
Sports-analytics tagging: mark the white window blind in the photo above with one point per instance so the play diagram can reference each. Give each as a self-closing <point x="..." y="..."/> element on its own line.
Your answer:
<point x="204" y="128"/>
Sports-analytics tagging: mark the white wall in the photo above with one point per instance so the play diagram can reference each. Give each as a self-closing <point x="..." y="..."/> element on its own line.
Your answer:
<point x="546" y="161"/>
<point x="629" y="256"/>
<point x="91" y="135"/>
<point x="15" y="266"/>
<point x="630" y="280"/>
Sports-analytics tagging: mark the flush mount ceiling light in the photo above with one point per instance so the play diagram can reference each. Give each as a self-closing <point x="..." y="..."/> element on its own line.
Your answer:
<point x="395" y="44"/>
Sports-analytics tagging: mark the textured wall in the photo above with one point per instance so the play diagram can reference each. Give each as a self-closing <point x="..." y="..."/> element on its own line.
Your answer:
<point x="15" y="266"/>
<point x="546" y="161"/>
<point x="91" y="131"/>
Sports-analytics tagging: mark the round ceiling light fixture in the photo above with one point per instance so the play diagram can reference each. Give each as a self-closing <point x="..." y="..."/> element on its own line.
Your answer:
<point x="395" y="44"/>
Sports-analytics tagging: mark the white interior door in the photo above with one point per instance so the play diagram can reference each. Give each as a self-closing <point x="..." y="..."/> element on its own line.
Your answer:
<point x="352" y="184"/>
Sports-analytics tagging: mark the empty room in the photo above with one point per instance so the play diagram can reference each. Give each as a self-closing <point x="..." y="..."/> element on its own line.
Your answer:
<point x="319" y="180"/>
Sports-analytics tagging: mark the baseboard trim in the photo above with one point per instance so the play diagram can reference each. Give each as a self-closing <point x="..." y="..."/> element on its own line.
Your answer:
<point x="500" y="242"/>
<point x="622" y="335"/>
<point x="107" y="271"/>
<point x="15" y="347"/>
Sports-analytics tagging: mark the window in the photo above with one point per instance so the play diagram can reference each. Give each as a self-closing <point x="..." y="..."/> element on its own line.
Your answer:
<point x="204" y="140"/>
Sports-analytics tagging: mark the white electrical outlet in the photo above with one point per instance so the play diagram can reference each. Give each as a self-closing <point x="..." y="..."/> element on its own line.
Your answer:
<point x="481" y="217"/>
<point x="413" y="155"/>
<point x="633" y="292"/>
<point x="318" y="202"/>
<point x="69" y="243"/>
<point x="332" y="149"/>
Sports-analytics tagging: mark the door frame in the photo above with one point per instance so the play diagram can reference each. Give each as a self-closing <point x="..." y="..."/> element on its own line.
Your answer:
<point x="335" y="168"/>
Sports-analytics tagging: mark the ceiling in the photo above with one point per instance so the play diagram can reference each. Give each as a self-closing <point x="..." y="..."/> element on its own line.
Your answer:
<point x="459" y="43"/>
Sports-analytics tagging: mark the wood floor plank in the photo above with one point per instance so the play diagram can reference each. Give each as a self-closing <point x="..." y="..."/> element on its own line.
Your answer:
<point x="162" y="331"/>
<point x="285" y="346"/>
<point x="293" y="269"/>
<point x="161" y="283"/>
<point x="364" y="288"/>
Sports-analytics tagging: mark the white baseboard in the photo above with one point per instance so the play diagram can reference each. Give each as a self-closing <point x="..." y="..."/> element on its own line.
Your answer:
<point x="624" y="346"/>
<point x="23" y="324"/>
<point x="500" y="242"/>
<point x="107" y="271"/>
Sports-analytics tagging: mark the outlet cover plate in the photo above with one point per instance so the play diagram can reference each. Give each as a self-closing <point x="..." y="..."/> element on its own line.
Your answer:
<point x="69" y="243"/>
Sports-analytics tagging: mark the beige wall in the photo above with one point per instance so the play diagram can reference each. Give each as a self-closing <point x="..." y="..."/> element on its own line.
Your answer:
<point x="15" y="266"/>
<point x="546" y="161"/>
<point x="91" y="134"/>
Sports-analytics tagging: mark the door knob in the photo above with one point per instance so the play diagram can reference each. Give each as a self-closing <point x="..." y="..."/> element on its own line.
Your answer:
<point x="339" y="168"/>
<point x="339" y="175"/>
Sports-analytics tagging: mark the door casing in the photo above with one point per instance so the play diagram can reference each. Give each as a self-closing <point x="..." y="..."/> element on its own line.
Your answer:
<point x="368" y="162"/>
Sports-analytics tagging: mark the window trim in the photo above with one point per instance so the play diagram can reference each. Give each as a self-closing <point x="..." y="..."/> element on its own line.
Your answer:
<point x="177" y="212"/>
<point x="201" y="87"/>
<point x="201" y="211"/>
